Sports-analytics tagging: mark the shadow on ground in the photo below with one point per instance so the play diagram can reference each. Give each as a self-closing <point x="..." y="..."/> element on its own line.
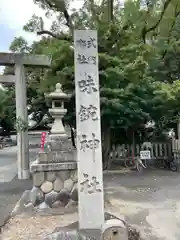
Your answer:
<point x="149" y="201"/>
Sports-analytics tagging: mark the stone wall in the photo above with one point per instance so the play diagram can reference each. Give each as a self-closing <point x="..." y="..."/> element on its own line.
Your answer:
<point x="54" y="188"/>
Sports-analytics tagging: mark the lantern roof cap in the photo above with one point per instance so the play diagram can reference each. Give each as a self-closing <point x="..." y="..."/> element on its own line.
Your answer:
<point x="58" y="93"/>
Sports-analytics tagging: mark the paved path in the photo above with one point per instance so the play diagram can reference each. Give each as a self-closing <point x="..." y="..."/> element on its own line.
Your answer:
<point x="8" y="163"/>
<point x="8" y="169"/>
<point x="11" y="188"/>
<point x="150" y="201"/>
<point x="10" y="193"/>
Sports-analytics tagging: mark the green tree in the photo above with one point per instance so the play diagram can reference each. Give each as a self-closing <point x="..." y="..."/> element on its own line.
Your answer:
<point x="7" y="110"/>
<point x="133" y="50"/>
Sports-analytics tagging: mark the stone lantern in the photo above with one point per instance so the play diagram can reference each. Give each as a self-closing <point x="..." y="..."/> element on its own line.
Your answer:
<point x="55" y="171"/>
<point x="57" y="111"/>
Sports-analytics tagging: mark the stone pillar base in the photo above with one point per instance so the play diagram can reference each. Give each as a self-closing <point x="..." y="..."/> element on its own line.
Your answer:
<point x="54" y="184"/>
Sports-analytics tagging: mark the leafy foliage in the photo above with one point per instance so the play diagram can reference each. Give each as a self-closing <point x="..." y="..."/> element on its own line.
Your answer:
<point x="7" y="114"/>
<point x="138" y="61"/>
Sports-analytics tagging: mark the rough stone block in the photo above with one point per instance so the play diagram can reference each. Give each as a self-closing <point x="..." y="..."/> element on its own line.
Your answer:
<point x="58" y="144"/>
<point x="71" y="203"/>
<point x="43" y="205"/>
<point x="57" y="204"/>
<point x="114" y="229"/>
<point x="36" y="196"/>
<point x="29" y="207"/>
<point x="45" y="167"/>
<point x="47" y="187"/>
<point x="50" y="198"/>
<point x="50" y="176"/>
<point x="58" y="184"/>
<point x="68" y="184"/>
<point x="62" y="156"/>
<point x="63" y="196"/>
<point x="63" y="175"/>
<point x="38" y="178"/>
<point x="43" y="157"/>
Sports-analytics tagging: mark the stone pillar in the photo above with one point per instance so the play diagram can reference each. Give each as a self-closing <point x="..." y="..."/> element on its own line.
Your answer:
<point x="22" y="119"/>
<point x="89" y="150"/>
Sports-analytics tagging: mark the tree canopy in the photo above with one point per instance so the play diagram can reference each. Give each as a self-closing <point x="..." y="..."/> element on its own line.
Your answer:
<point x="139" y="60"/>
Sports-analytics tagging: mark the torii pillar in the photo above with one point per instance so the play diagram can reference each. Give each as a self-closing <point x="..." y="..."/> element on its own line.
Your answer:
<point x="19" y="61"/>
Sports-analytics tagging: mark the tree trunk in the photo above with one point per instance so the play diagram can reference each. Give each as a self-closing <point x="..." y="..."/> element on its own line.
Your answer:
<point x="107" y="7"/>
<point x="110" y="6"/>
<point x="106" y="144"/>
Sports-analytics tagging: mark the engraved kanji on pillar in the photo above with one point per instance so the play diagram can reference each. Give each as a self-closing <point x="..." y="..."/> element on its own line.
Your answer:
<point x="89" y="150"/>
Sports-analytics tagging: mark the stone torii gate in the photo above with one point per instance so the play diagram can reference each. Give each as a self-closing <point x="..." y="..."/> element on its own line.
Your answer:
<point x="19" y="61"/>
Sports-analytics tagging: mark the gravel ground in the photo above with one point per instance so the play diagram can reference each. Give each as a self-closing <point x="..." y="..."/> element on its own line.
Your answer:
<point x="25" y="227"/>
<point x="149" y="202"/>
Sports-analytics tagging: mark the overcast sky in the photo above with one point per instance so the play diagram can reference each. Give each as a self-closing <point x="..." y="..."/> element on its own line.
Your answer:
<point x="13" y="15"/>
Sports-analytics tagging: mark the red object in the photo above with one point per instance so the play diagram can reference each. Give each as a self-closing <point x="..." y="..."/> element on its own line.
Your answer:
<point x="43" y="139"/>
